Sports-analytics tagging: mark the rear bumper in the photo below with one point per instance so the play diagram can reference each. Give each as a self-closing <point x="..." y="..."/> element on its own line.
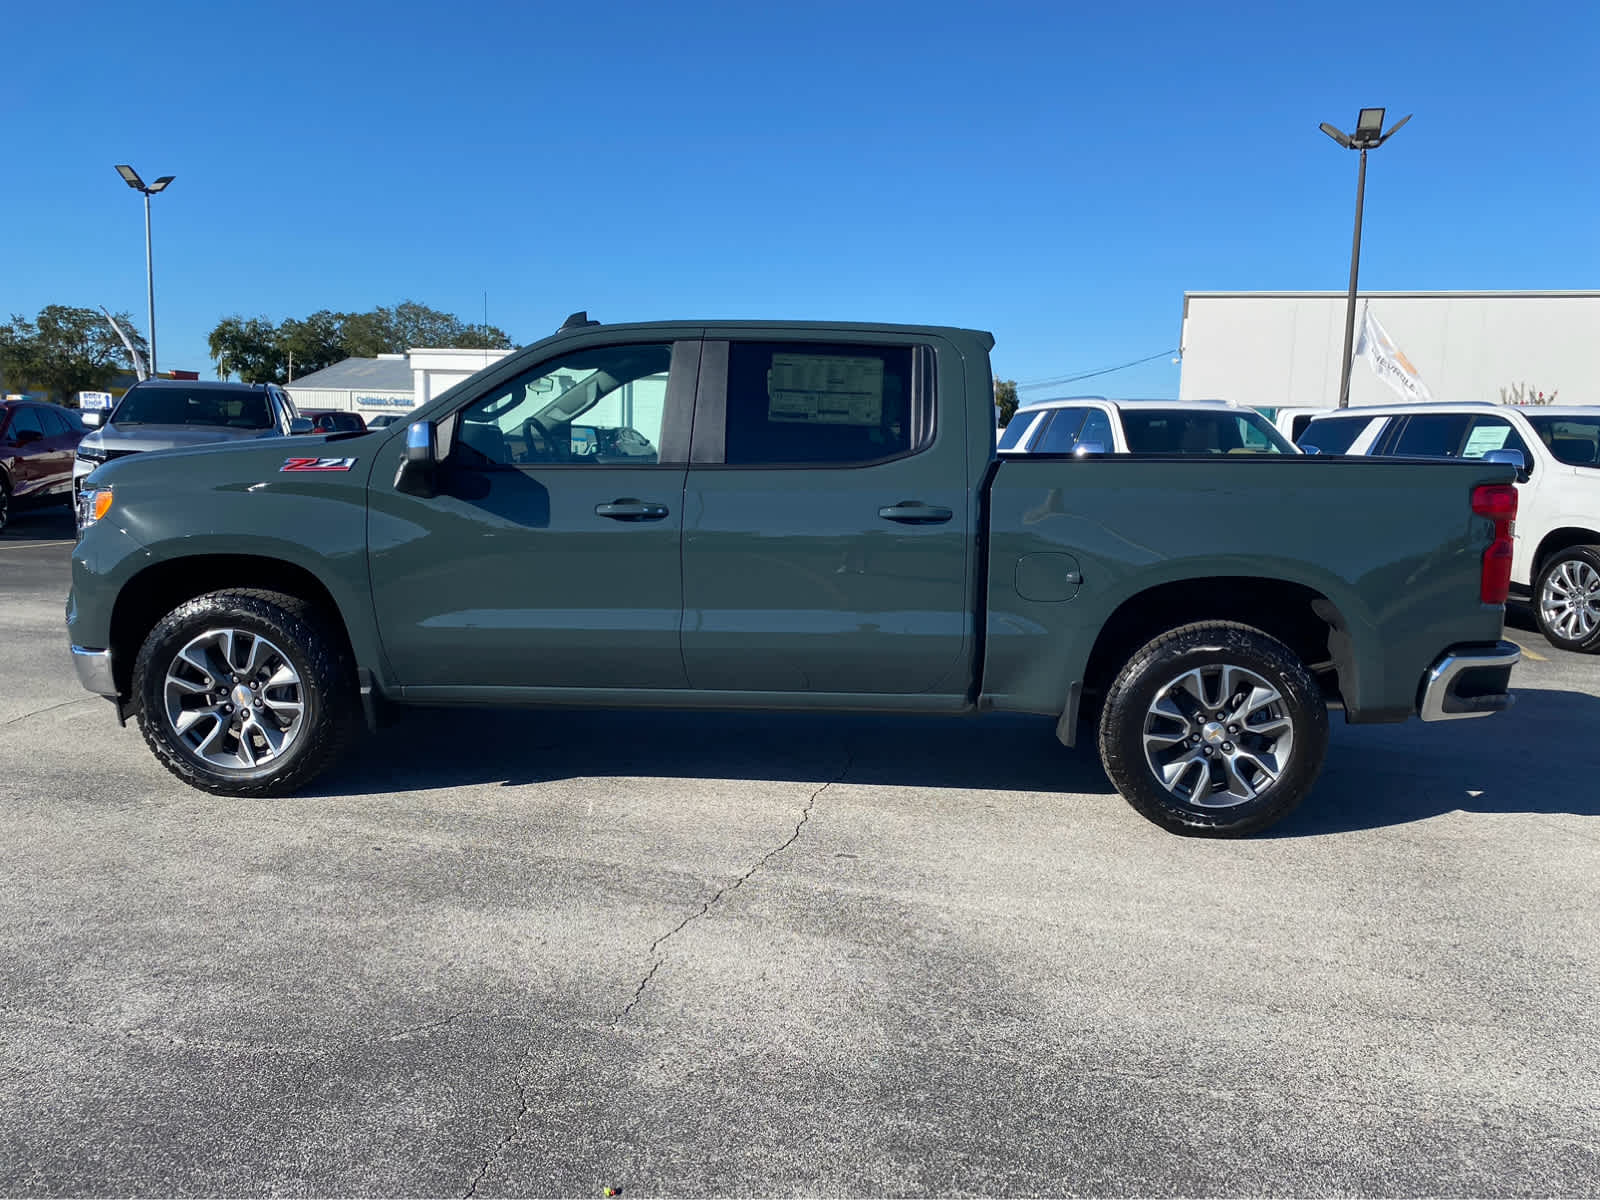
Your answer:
<point x="94" y="671"/>
<point x="1468" y="681"/>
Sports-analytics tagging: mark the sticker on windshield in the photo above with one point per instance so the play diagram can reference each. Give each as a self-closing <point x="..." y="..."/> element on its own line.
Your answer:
<point x="317" y="464"/>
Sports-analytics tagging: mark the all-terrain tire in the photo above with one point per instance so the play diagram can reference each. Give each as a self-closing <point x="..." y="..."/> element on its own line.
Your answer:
<point x="325" y="687"/>
<point x="1264" y="753"/>
<point x="1566" y="599"/>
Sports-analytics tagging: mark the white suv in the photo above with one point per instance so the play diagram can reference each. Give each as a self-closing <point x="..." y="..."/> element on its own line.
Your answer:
<point x="1095" y="425"/>
<point x="1557" y="540"/>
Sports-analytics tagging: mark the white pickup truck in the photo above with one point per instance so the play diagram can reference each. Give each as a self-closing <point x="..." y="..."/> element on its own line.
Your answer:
<point x="1556" y="557"/>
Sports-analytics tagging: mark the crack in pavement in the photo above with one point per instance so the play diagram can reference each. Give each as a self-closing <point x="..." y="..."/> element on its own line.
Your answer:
<point x="20" y="1016"/>
<point x="522" y="1085"/>
<point x="805" y="816"/>
<point x="48" y="708"/>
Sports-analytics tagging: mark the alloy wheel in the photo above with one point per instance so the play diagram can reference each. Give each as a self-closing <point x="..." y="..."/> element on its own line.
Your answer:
<point x="234" y="699"/>
<point x="1570" y="601"/>
<point x="1218" y="736"/>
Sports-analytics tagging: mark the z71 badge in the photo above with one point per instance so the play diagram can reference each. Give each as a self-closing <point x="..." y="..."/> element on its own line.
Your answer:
<point x="317" y="464"/>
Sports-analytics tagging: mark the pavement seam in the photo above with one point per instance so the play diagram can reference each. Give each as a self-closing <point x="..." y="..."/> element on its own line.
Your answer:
<point x="521" y="1084"/>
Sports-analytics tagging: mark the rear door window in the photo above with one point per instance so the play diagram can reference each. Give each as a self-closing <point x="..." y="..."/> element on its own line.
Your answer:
<point x="1430" y="435"/>
<point x="825" y="404"/>
<point x="1097" y="431"/>
<point x="55" y="424"/>
<point x="1061" y="435"/>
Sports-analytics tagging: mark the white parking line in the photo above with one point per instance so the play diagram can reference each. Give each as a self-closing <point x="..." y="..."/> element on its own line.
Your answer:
<point x="32" y="545"/>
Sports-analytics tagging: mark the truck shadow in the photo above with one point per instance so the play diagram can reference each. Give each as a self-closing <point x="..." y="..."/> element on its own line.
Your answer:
<point x="1541" y="757"/>
<point x="46" y="522"/>
<point x="442" y="748"/>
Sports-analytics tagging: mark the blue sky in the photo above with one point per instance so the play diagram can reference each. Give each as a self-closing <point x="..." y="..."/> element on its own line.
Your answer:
<point x="1056" y="173"/>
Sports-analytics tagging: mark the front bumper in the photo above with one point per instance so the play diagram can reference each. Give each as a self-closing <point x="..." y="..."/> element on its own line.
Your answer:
<point x="94" y="671"/>
<point x="1468" y="681"/>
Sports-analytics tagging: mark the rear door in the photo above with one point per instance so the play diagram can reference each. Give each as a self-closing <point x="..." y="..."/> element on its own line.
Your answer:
<point x="30" y="465"/>
<point x="828" y="541"/>
<point x="550" y="556"/>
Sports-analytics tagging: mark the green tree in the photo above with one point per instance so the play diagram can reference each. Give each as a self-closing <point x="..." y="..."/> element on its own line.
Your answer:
<point x="481" y="337"/>
<point x="247" y="348"/>
<point x="257" y="351"/>
<point x="313" y="343"/>
<point x="64" y="350"/>
<point x="1005" y="398"/>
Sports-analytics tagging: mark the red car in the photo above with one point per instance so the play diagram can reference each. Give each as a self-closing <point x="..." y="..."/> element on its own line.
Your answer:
<point x="327" y="420"/>
<point x="37" y="442"/>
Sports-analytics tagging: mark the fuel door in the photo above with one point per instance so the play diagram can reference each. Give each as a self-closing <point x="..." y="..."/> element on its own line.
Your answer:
<point x="1048" y="578"/>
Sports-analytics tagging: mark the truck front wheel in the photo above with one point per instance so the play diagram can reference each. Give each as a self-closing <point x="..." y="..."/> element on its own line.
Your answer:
<point x="245" y="693"/>
<point x="1214" y="730"/>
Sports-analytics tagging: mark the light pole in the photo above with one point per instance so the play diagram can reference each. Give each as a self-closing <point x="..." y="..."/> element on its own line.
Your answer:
<point x="1369" y="135"/>
<point x="131" y="178"/>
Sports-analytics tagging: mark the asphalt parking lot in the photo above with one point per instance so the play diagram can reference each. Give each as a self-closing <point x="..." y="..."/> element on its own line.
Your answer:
<point x="554" y="953"/>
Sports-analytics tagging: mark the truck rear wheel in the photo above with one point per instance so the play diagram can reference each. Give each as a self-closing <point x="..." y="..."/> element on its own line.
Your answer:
<point x="245" y="693"/>
<point x="1566" y="599"/>
<point x="1214" y="730"/>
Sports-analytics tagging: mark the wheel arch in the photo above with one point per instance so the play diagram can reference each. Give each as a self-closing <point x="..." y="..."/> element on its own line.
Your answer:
<point x="1309" y="623"/>
<point x="1564" y="537"/>
<point x="162" y="586"/>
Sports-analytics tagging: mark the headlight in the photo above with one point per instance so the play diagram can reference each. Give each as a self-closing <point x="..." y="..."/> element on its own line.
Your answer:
<point x="93" y="503"/>
<point x="92" y="455"/>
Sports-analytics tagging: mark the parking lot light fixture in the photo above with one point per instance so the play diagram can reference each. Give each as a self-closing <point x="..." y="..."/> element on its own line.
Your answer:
<point x="131" y="178"/>
<point x="1369" y="135"/>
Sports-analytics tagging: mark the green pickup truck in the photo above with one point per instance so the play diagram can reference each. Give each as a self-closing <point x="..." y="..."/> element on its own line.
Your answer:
<point x="786" y="516"/>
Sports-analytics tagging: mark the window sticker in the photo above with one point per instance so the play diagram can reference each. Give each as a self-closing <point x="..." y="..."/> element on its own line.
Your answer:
<point x="1486" y="438"/>
<point x="825" y="389"/>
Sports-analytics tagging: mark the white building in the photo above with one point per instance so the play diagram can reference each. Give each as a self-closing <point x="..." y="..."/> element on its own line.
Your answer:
<point x="389" y="383"/>
<point x="1280" y="348"/>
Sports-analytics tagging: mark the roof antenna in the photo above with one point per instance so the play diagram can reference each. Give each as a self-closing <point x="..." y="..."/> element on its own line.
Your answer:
<point x="577" y="320"/>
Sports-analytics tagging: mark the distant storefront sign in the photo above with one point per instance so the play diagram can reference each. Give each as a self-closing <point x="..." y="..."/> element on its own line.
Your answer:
<point x="94" y="400"/>
<point x="380" y="401"/>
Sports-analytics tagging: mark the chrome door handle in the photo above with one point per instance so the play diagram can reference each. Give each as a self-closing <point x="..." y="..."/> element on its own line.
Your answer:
<point x="915" y="512"/>
<point x="629" y="509"/>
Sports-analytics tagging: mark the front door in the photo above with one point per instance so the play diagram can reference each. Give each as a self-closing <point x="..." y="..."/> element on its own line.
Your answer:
<point x="551" y="555"/>
<point x="828" y="536"/>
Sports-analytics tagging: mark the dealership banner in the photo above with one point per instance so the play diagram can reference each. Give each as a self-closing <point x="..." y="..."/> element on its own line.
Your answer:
<point x="1387" y="361"/>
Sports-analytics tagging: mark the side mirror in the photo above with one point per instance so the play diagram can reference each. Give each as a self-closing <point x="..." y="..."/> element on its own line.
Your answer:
<point x="1511" y="458"/>
<point x="1084" y="449"/>
<point x="26" y="437"/>
<point x="418" y="468"/>
<point x="92" y="417"/>
<point x="1310" y="449"/>
<point x="300" y="425"/>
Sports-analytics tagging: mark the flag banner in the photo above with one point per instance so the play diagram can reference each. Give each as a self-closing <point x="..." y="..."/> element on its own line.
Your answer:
<point x="1387" y="361"/>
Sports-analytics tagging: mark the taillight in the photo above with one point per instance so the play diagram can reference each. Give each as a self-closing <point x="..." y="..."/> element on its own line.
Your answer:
<point x="1498" y="502"/>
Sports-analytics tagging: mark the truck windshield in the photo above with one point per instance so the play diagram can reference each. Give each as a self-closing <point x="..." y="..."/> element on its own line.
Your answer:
<point x="194" y="406"/>
<point x="1190" y="431"/>
<point x="1574" y="440"/>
